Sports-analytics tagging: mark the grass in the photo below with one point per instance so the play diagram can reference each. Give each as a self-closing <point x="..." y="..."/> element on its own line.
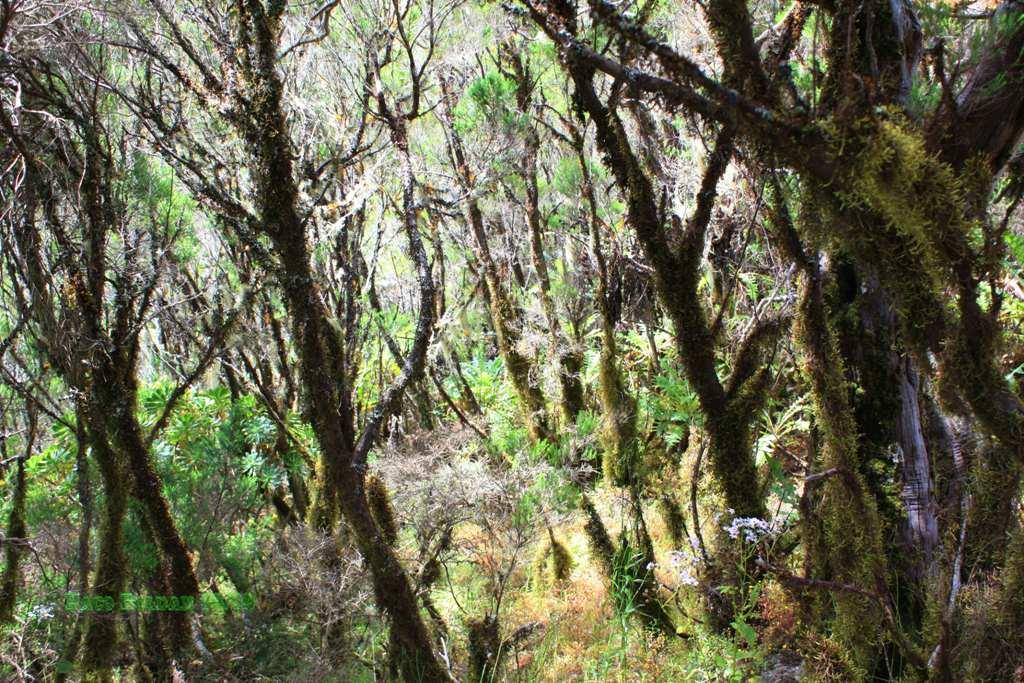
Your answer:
<point x="583" y="638"/>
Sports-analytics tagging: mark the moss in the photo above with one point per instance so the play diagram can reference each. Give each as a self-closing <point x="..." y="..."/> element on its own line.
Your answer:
<point x="101" y="637"/>
<point x="561" y="560"/>
<point x="323" y="508"/>
<point x="570" y="363"/>
<point x="895" y="176"/>
<point x="1011" y="597"/>
<point x="552" y="563"/>
<point x="992" y="644"/>
<point x="539" y="567"/>
<point x="506" y="321"/>
<point x="969" y="361"/>
<point x="994" y="485"/>
<point x="602" y="548"/>
<point x="895" y="206"/>
<point x="484" y="645"/>
<point x="618" y="428"/>
<point x="16" y="529"/>
<point x="380" y="507"/>
<point x="847" y="528"/>
<point x="675" y="522"/>
<point x="827" y="661"/>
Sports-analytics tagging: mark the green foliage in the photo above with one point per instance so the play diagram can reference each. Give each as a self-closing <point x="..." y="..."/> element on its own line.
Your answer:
<point x="218" y="458"/>
<point x="489" y="100"/>
<point x="673" y="408"/>
<point x="151" y="183"/>
<point x="567" y="178"/>
<point x="715" y="657"/>
<point x="778" y="440"/>
<point x="588" y="425"/>
<point x="50" y="494"/>
<point x="228" y="465"/>
<point x="485" y="379"/>
<point x="629" y="571"/>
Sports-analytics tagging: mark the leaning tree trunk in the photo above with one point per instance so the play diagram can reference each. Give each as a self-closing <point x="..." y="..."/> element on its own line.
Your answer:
<point x="147" y="488"/>
<point x="322" y="362"/>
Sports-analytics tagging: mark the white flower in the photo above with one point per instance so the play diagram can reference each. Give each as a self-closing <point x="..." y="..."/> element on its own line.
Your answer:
<point x="687" y="579"/>
<point x="41" y="612"/>
<point x="686" y="566"/>
<point x="752" y="528"/>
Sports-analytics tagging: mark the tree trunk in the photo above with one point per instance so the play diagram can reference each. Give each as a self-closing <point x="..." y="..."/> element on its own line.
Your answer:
<point x="100" y="645"/>
<point x="569" y="358"/>
<point x="922" y="526"/>
<point x="618" y="406"/>
<point x="505" y="317"/>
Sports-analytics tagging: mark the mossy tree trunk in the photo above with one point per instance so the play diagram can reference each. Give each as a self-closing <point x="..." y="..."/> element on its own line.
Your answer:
<point x="728" y="409"/>
<point x="15" y="538"/>
<point x="506" y="318"/>
<point x="323" y="356"/>
<point x="899" y="197"/>
<point x="91" y="338"/>
<point x="569" y="357"/>
<point x="851" y="545"/>
<point x="618" y="406"/>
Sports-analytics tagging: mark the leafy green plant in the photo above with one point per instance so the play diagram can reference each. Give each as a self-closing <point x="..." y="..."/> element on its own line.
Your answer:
<point x="673" y="408"/>
<point x="489" y="98"/>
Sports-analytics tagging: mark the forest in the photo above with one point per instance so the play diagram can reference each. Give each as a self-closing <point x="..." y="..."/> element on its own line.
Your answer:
<point x="519" y="341"/>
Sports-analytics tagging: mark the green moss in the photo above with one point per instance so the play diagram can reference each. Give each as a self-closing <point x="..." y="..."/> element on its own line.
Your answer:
<point x="895" y="206"/>
<point x="992" y="644"/>
<point x="846" y="534"/>
<point x="484" y="646"/>
<point x="323" y="508"/>
<point x="602" y="548"/>
<point x="101" y="637"/>
<point x="539" y="566"/>
<point x="994" y="484"/>
<point x="380" y="507"/>
<point x="561" y="561"/>
<point x="894" y="175"/>
<point x="507" y="322"/>
<point x="16" y="529"/>
<point x="618" y="427"/>
<point x="675" y="522"/>
<point x="552" y="563"/>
